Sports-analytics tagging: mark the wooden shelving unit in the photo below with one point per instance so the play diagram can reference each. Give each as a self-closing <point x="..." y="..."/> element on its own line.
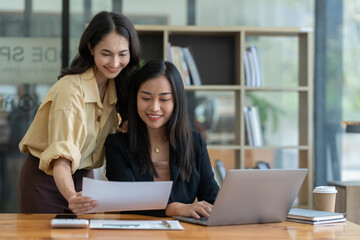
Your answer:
<point x="219" y="54"/>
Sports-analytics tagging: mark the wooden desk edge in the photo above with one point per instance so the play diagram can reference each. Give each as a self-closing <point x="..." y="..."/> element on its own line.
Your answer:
<point x="37" y="226"/>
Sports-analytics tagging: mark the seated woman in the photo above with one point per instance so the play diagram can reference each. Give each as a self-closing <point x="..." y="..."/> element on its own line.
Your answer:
<point x="159" y="145"/>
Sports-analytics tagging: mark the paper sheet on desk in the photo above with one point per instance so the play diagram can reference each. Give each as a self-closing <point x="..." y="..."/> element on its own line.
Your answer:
<point x="124" y="196"/>
<point x="149" y="224"/>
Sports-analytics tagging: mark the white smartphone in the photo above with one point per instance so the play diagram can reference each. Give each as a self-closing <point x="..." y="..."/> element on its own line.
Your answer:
<point x="68" y="221"/>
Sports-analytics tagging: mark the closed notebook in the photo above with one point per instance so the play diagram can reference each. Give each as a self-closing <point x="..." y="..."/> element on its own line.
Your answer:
<point x="313" y="215"/>
<point x="317" y="222"/>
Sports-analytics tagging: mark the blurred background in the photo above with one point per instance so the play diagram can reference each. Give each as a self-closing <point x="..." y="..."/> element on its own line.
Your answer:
<point x="32" y="35"/>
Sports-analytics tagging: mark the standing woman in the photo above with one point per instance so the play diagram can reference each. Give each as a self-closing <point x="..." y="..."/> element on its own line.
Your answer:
<point x="66" y="139"/>
<point x="160" y="146"/>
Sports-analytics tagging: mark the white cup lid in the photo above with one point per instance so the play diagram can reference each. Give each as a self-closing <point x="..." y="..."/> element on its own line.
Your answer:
<point x="325" y="189"/>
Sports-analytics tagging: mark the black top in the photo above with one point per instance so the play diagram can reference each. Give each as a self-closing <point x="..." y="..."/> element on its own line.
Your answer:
<point x="121" y="167"/>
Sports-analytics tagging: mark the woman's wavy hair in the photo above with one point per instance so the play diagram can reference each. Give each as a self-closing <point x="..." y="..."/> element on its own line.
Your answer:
<point x="178" y="126"/>
<point x="102" y="24"/>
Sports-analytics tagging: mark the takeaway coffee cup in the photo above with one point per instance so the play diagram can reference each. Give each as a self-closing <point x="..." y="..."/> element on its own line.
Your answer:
<point x="325" y="197"/>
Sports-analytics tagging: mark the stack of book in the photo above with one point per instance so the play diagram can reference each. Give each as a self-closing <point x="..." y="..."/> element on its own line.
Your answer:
<point x="314" y="217"/>
<point x="253" y="126"/>
<point x="184" y="61"/>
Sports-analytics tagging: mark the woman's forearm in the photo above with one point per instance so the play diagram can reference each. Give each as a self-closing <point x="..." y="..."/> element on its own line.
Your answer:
<point x="63" y="178"/>
<point x="172" y="209"/>
<point x="64" y="182"/>
<point x="195" y="209"/>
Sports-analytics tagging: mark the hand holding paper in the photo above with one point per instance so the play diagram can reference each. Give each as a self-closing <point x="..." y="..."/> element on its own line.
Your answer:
<point x="124" y="196"/>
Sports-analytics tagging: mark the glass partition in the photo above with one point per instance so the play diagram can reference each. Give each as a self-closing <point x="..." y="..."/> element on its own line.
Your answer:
<point x="30" y="56"/>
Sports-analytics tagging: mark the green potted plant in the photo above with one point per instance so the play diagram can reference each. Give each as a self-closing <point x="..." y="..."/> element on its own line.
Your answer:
<point x="266" y="110"/>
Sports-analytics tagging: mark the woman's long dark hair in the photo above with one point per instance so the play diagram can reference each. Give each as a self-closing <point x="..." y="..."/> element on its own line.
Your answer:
<point x="102" y="24"/>
<point x="178" y="127"/>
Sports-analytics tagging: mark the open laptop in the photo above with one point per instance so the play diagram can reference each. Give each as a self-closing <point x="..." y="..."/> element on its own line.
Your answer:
<point x="253" y="196"/>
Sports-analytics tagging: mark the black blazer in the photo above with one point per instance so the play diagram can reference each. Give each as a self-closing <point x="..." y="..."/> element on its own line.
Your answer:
<point x="121" y="167"/>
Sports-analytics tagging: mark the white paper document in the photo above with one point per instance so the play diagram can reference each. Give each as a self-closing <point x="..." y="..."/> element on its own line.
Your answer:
<point x="120" y="224"/>
<point x="124" y="196"/>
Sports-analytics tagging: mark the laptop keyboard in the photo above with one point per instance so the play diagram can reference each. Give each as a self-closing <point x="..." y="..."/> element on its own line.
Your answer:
<point x="203" y="219"/>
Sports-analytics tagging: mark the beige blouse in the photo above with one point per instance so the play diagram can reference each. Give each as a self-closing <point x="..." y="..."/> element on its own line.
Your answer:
<point x="73" y="123"/>
<point x="163" y="170"/>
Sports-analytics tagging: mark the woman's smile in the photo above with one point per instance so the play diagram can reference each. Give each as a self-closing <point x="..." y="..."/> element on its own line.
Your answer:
<point x="154" y="117"/>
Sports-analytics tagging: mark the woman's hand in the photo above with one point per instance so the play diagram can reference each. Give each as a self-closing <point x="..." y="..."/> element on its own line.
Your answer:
<point x="123" y="128"/>
<point x="79" y="204"/>
<point x="194" y="210"/>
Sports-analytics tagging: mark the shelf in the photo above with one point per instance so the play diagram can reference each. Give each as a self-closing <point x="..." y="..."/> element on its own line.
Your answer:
<point x="276" y="147"/>
<point x="216" y="106"/>
<point x="250" y="89"/>
<point x="224" y="147"/>
<point x="277" y="89"/>
<point x="213" y="88"/>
